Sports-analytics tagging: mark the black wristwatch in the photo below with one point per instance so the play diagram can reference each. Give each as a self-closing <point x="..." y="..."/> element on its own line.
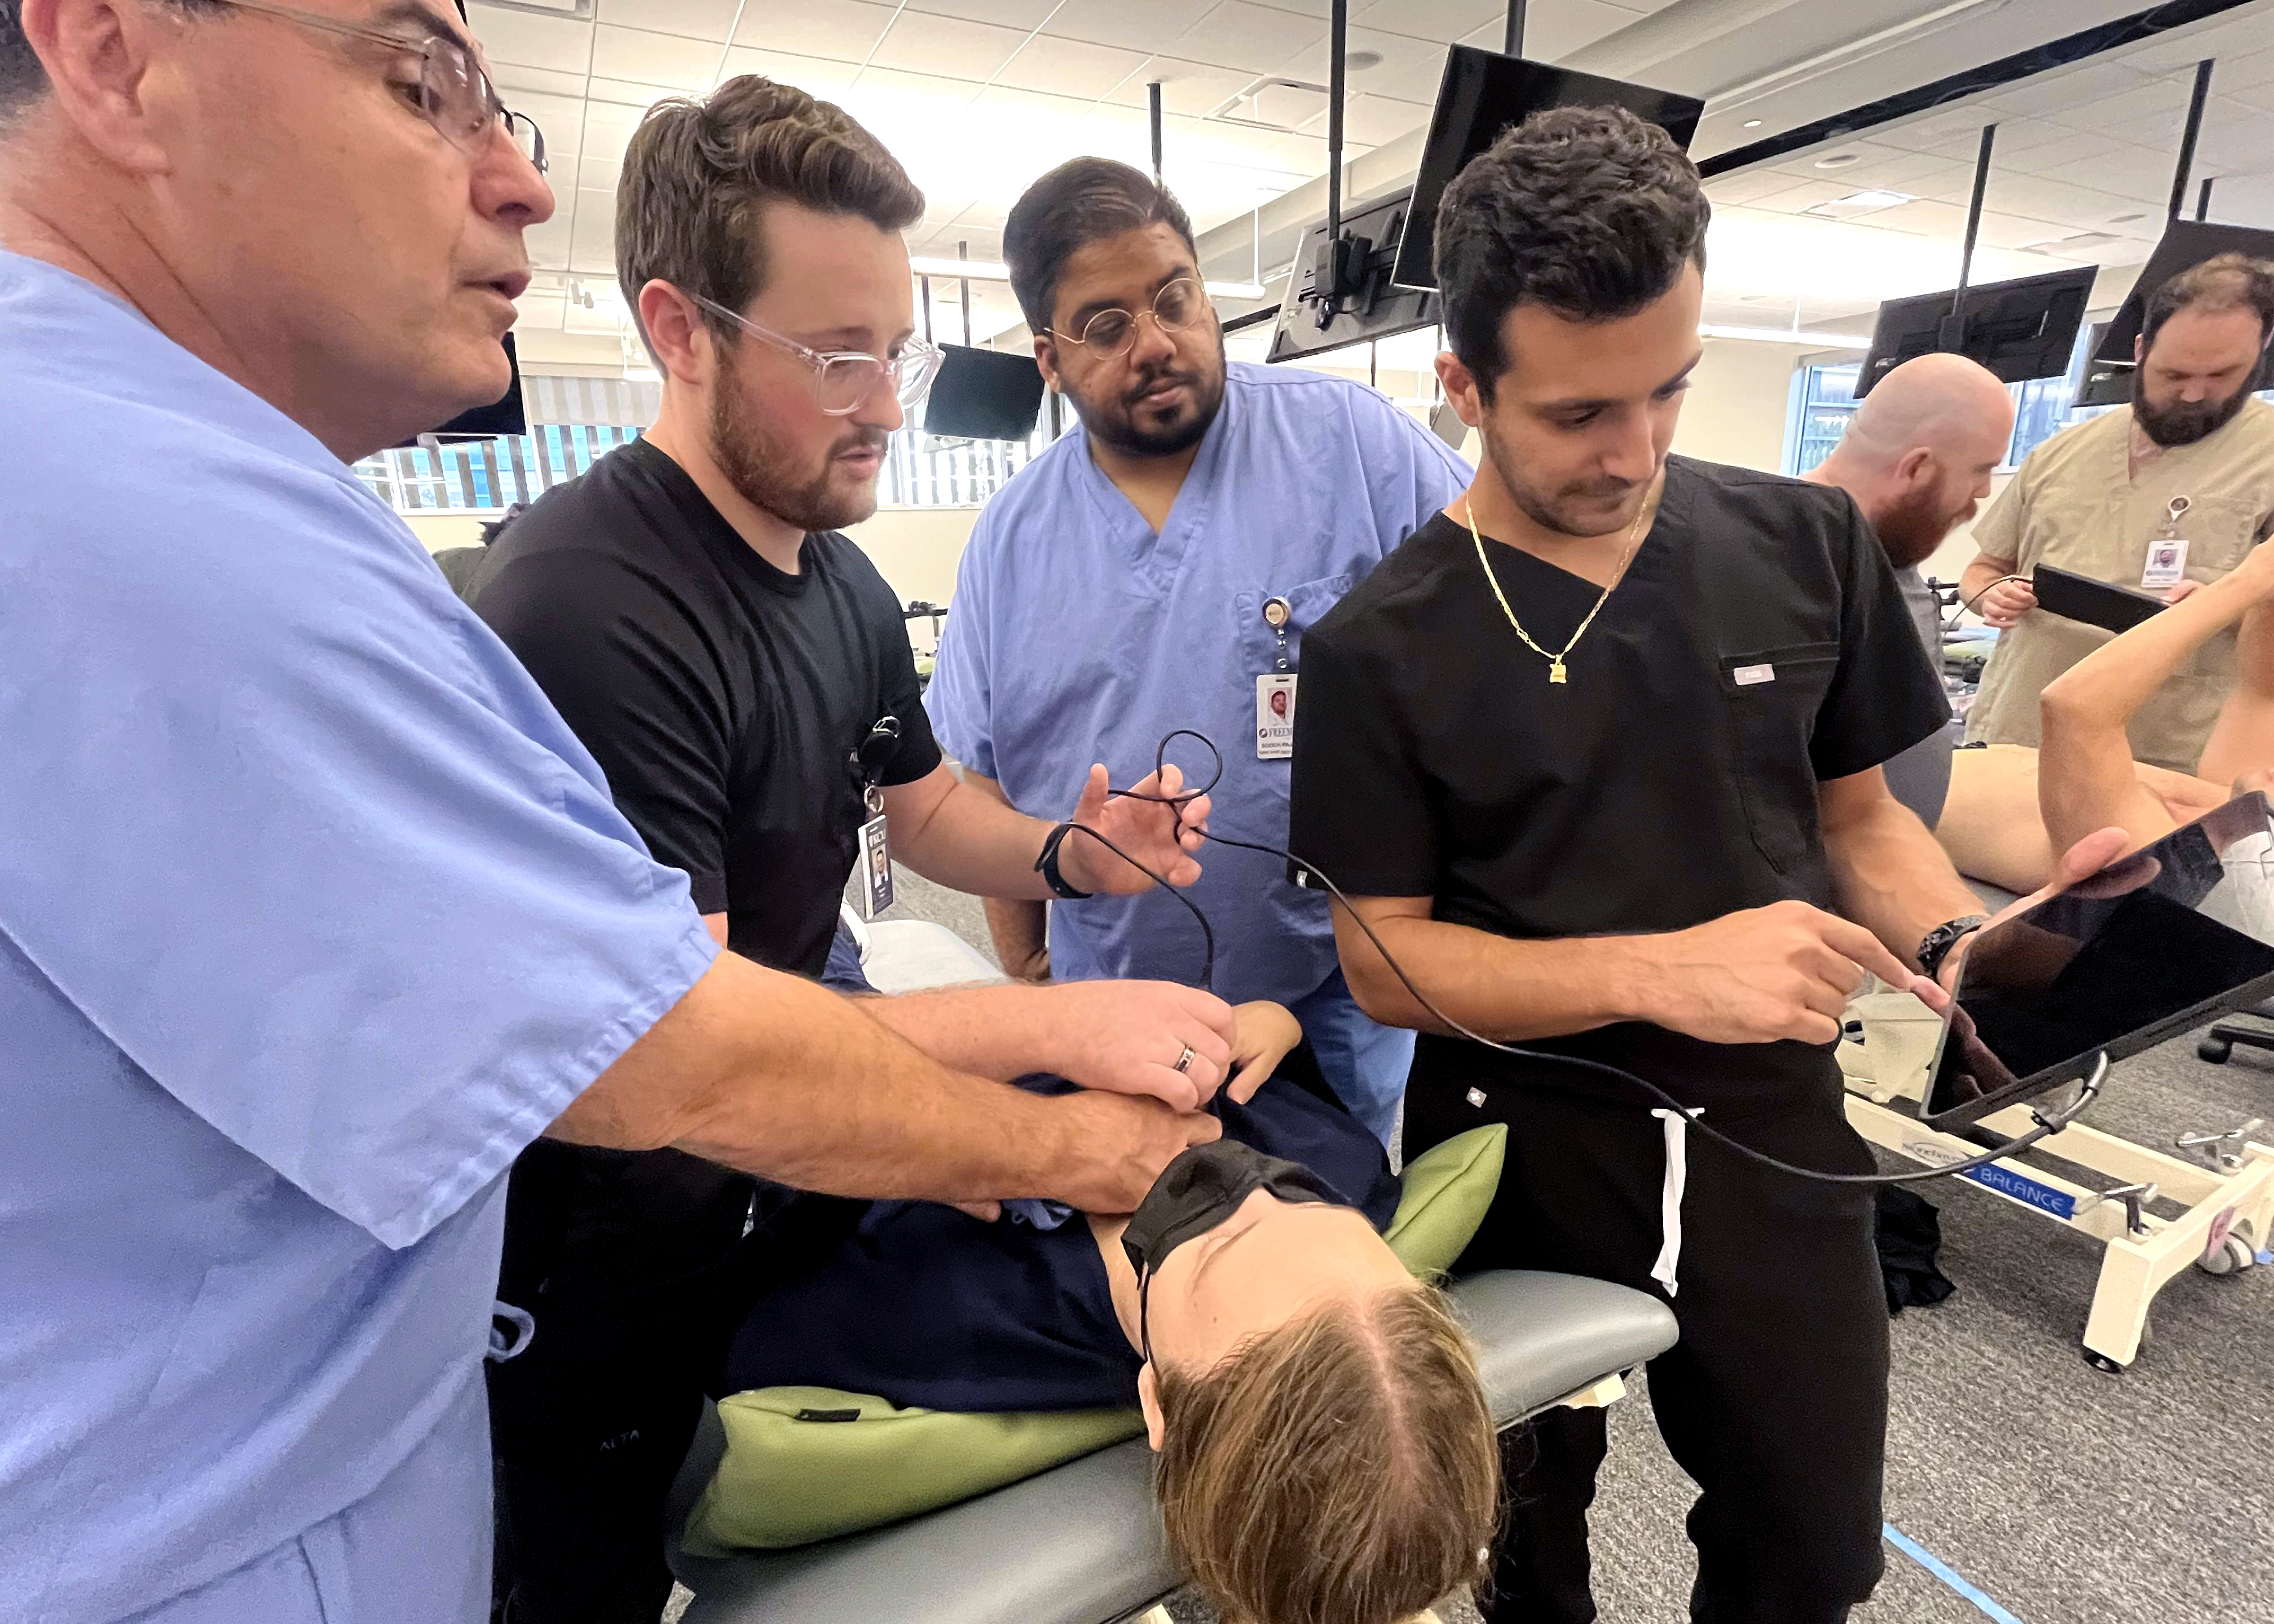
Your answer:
<point x="1046" y="866"/>
<point x="1942" y="939"/>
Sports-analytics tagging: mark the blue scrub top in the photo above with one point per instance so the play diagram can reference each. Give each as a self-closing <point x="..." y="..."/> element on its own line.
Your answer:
<point x="312" y="914"/>
<point x="1077" y="635"/>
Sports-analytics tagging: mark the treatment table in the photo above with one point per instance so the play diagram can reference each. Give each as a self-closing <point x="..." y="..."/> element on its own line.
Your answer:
<point x="1081" y="1544"/>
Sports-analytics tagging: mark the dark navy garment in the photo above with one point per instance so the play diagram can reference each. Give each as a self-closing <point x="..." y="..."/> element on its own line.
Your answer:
<point x="926" y="1306"/>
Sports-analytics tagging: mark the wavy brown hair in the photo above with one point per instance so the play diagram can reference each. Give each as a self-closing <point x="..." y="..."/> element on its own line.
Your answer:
<point x="1342" y="1469"/>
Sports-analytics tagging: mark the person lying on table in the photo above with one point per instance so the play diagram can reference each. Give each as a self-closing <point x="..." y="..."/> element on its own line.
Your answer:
<point x="1326" y="1451"/>
<point x="2012" y="807"/>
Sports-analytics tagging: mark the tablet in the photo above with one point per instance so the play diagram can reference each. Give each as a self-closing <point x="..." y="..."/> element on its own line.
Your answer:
<point x="2096" y="603"/>
<point x="2149" y="946"/>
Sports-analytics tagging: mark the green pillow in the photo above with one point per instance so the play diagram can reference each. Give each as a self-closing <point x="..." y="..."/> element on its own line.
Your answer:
<point x="855" y="1462"/>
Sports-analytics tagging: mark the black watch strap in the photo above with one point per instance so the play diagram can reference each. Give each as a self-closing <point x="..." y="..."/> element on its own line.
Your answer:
<point x="1046" y="866"/>
<point x="1942" y="939"/>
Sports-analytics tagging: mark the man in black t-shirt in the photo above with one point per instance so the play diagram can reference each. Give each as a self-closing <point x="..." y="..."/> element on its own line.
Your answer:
<point x="743" y="675"/>
<point x="1597" y="752"/>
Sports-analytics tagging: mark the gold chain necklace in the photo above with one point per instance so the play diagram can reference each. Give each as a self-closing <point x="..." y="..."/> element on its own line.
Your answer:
<point x="1555" y="668"/>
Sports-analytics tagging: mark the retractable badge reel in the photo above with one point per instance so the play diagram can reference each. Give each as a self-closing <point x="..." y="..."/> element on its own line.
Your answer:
<point x="2167" y="552"/>
<point x="1275" y="691"/>
<point x="876" y="860"/>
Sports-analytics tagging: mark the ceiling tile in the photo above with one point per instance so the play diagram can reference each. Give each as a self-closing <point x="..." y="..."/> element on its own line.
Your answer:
<point x="1748" y="187"/>
<point x="519" y="80"/>
<point x="697" y="20"/>
<point x="1440" y="21"/>
<point x="1558" y="28"/>
<point x="1117" y="22"/>
<point x="2157" y="99"/>
<point x="1069" y="67"/>
<point x="1923" y="216"/>
<point x="561" y="119"/>
<point x="540" y="311"/>
<point x="655" y="58"/>
<point x="593" y="245"/>
<point x="2004" y="230"/>
<point x="845" y="30"/>
<point x="598" y="174"/>
<point x="1187" y="89"/>
<point x="1400" y="58"/>
<point x="2131" y="171"/>
<point x="2052" y="95"/>
<point x="817" y="76"/>
<point x="946" y="46"/>
<point x="633" y="93"/>
<point x="2036" y="198"/>
<point x="1800" y="196"/>
<point x="1024" y="15"/>
<point x="1418" y="83"/>
<point x="548" y="244"/>
<point x="1376" y="120"/>
<point x="559" y="42"/>
<point x="1244" y="36"/>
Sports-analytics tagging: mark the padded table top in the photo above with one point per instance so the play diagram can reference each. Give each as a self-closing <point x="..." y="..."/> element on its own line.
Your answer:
<point x="1081" y="1544"/>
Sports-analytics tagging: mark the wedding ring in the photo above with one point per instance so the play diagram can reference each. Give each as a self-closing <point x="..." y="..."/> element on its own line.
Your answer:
<point x="1185" y="1061"/>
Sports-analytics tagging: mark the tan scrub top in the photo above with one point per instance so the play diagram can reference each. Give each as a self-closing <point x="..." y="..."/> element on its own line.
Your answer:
<point x="2075" y="504"/>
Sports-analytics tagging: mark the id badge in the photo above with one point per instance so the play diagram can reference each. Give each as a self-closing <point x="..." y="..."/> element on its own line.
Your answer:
<point x="1275" y="716"/>
<point x="2167" y="563"/>
<point x="876" y="867"/>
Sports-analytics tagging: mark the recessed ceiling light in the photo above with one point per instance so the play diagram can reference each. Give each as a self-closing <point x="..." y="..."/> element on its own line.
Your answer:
<point x="1752" y="124"/>
<point x="1839" y="161"/>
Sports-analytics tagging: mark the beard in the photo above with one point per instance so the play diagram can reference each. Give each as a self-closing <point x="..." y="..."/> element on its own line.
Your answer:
<point x="1915" y="527"/>
<point x="1580" y="511"/>
<point x="2184" y="425"/>
<point x="1113" y="419"/>
<point x="758" y="464"/>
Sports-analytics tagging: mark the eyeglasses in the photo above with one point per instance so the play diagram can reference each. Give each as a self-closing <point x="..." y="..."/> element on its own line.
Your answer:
<point x="843" y="379"/>
<point x="1110" y="332"/>
<point x="453" y="92"/>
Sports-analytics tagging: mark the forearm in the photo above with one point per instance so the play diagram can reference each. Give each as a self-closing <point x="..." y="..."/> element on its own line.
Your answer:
<point x="972" y="842"/>
<point x="1982" y="574"/>
<point x="1891" y="876"/>
<point x="1020" y="932"/>
<point x="780" y="1078"/>
<point x="1493" y="985"/>
<point x="2102" y="690"/>
<point x="994" y="1032"/>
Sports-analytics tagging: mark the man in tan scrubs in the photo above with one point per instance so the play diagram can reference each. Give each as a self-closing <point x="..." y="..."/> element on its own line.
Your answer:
<point x="2179" y="487"/>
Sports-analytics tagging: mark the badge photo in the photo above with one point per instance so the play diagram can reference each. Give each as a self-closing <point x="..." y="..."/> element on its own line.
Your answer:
<point x="1275" y="716"/>
<point x="876" y="869"/>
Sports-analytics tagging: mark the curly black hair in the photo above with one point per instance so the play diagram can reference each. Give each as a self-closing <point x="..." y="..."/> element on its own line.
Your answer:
<point x="1589" y="211"/>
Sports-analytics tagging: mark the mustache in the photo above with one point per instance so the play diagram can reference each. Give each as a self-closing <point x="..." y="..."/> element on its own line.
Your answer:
<point x="1153" y="380"/>
<point x="859" y="440"/>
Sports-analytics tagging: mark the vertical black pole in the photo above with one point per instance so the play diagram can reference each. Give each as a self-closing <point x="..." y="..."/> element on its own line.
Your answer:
<point x="1512" y="38"/>
<point x="924" y="292"/>
<point x="1338" y="49"/>
<point x="1974" y="215"/>
<point x="2187" y="140"/>
<point x="2203" y="203"/>
<point x="1153" y="95"/>
<point x="963" y="251"/>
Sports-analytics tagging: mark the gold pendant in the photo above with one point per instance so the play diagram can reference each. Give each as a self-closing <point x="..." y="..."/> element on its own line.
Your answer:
<point x="1555" y="671"/>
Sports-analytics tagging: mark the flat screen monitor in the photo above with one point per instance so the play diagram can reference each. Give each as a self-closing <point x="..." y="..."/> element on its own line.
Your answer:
<point x="2019" y="329"/>
<point x="984" y="394"/>
<point x="2139" y="952"/>
<point x="500" y="419"/>
<point x="1482" y="93"/>
<point x="1370" y="308"/>
<point x="2187" y="244"/>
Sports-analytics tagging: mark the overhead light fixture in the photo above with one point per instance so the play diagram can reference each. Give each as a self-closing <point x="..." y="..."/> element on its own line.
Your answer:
<point x="1839" y="161"/>
<point x="2081" y="242"/>
<point x="988" y="270"/>
<point x="1783" y="336"/>
<point x="1752" y="124"/>
<point x="1859" y="203"/>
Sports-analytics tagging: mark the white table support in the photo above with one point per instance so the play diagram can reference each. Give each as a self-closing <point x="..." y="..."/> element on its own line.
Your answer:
<point x="2227" y="1214"/>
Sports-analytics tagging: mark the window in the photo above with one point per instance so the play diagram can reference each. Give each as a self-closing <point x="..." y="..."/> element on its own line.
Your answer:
<point x="1827" y="400"/>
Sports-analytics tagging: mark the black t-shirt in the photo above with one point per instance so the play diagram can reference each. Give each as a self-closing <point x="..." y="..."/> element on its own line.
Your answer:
<point x="1757" y="646"/>
<point x="721" y="696"/>
<point x="724" y="700"/>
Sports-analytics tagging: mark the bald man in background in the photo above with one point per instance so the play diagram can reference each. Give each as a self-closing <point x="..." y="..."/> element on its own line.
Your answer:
<point x="1917" y="457"/>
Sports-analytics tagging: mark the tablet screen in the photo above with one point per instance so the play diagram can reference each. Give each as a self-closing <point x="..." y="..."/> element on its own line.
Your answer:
<point x="2141" y="950"/>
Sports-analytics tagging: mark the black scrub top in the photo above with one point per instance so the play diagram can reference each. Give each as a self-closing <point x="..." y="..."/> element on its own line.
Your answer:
<point x="1758" y="646"/>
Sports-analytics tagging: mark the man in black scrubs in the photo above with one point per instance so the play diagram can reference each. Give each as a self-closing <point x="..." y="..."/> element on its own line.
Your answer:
<point x="1597" y="752"/>
<point x="742" y="674"/>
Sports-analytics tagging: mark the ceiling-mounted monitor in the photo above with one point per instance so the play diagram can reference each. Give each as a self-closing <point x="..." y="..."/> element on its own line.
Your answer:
<point x="984" y="394"/>
<point x="501" y="419"/>
<point x="1366" y="306"/>
<point x="1481" y="94"/>
<point x="2019" y="329"/>
<point x="2187" y="244"/>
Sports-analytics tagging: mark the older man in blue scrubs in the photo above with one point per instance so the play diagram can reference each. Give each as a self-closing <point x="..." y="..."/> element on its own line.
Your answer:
<point x="1156" y="571"/>
<point x="313" y="912"/>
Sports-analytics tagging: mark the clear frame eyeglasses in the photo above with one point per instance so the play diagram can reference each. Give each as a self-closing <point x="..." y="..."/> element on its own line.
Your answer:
<point x="452" y="91"/>
<point x="843" y="379"/>
<point x="1109" y="334"/>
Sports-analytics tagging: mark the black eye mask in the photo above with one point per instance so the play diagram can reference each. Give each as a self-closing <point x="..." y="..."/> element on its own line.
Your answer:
<point x="1195" y="1193"/>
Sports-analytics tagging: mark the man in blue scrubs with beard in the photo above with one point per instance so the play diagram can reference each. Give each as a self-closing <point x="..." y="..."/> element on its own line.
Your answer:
<point x="1156" y="571"/>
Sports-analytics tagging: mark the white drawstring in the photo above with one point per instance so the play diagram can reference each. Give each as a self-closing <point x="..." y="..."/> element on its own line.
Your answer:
<point x="1676" y="1126"/>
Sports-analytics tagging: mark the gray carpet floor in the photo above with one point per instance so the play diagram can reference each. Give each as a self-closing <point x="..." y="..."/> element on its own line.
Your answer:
<point x="2065" y="1495"/>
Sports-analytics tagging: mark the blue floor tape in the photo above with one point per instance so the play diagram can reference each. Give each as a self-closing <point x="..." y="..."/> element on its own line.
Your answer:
<point x="1943" y="1571"/>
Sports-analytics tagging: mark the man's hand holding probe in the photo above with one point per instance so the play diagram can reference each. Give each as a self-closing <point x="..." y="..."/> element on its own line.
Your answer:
<point x="1786" y="971"/>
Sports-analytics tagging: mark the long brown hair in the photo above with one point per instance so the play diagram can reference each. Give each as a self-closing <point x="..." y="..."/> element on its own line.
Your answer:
<point x="1341" y="1470"/>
